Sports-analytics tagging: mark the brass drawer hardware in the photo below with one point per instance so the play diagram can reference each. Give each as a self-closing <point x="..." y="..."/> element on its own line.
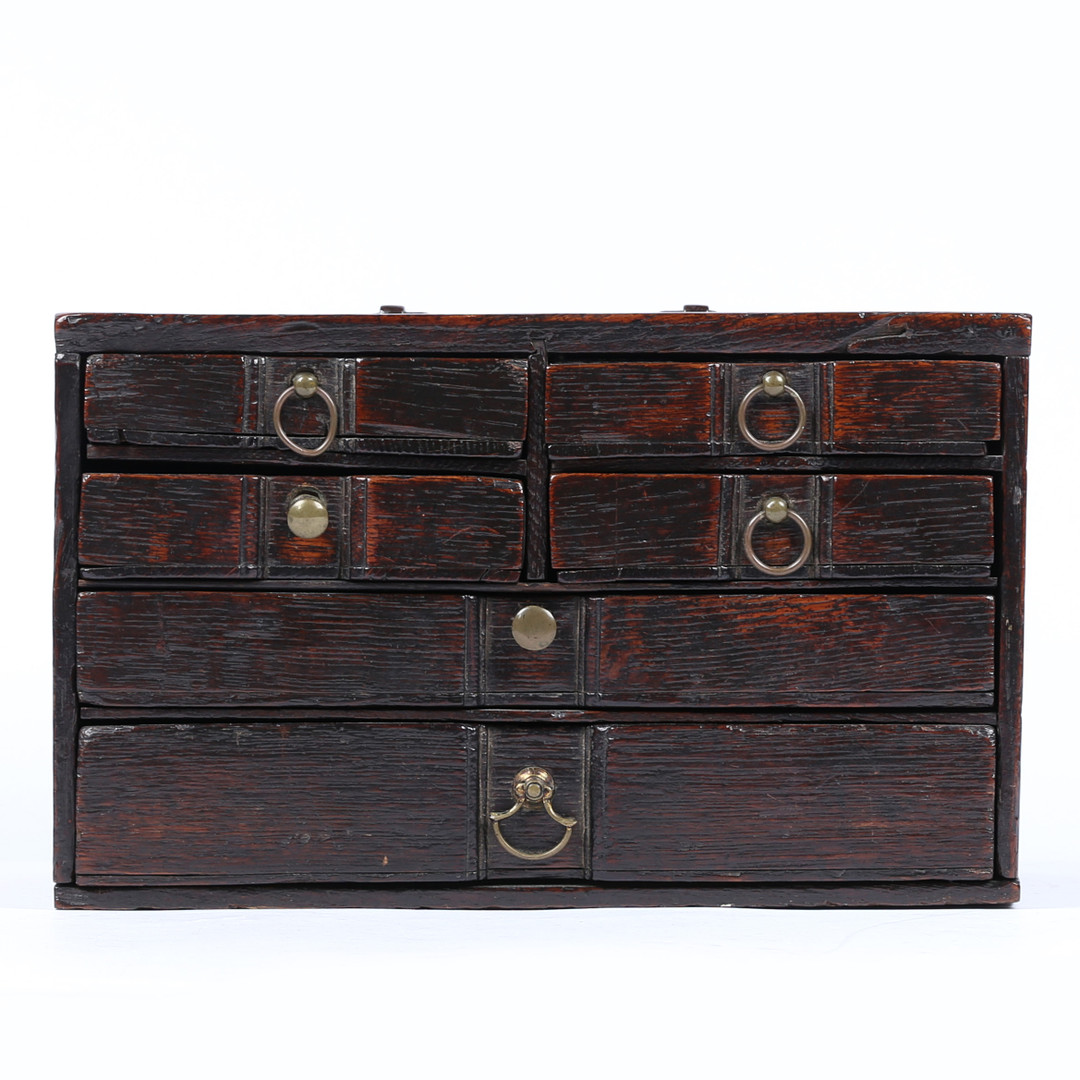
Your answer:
<point x="534" y="628"/>
<point x="532" y="787"/>
<point x="773" y="384"/>
<point x="304" y="385"/>
<point x="775" y="509"/>
<point x="307" y="516"/>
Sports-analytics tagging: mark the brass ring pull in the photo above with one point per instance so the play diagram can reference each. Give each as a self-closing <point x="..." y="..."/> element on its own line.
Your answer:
<point x="773" y="383"/>
<point x="775" y="509"/>
<point x="305" y="384"/>
<point x="532" y="787"/>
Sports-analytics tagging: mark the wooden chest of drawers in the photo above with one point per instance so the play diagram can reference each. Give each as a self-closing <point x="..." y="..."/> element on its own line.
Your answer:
<point x="512" y="611"/>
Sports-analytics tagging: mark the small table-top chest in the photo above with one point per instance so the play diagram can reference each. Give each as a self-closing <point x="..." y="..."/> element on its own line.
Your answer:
<point x="511" y="611"/>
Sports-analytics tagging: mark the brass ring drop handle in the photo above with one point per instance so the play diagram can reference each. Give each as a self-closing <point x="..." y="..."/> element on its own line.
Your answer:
<point x="305" y="384"/>
<point x="773" y="384"/>
<point x="532" y="787"/>
<point x="776" y="509"/>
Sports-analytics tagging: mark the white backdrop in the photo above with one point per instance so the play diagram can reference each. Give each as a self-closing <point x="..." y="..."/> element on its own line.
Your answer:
<point x="485" y="157"/>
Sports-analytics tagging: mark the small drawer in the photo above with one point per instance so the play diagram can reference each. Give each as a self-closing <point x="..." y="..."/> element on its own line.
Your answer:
<point x="793" y="802"/>
<point x="206" y="648"/>
<point x="634" y="526"/>
<point x="303" y="408"/>
<point x="218" y="803"/>
<point x="646" y="408"/>
<point x="427" y="528"/>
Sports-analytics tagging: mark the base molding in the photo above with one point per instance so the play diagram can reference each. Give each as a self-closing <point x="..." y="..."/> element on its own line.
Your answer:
<point x="997" y="892"/>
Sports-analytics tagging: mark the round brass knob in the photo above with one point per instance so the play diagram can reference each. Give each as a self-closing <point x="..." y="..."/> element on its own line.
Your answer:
<point x="307" y="516"/>
<point x="534" y="628"/>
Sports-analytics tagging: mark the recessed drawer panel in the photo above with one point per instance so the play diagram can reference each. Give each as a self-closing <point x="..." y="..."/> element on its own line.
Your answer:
<point x="395" y="405"/>
<point x="429" y="528"/>
<point x="772" y="406"/>
<point x="771" y="802"/>
<point x="609" y="526"/>
<point x="210" y="648"/>
<point x="791" y="649"/>
<point x="219" y="803"/>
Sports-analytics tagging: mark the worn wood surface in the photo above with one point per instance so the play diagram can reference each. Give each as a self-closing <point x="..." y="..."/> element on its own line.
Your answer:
<point x="234" y="802"/>
<point x="770" y="651"/>
<point x="65" y="581"/>
<point x="150" y="648"/>
<point x="1010" y="656"/>
<point x="429" y="528"/>
<point x="643" y="525"/>
<point x="784" y="802"/>
<point x="862" y="333"/>
<point x="852" y="406"/>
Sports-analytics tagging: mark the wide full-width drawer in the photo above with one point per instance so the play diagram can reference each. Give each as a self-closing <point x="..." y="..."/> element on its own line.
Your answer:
<point x="404" y="405"/>
<point x="608" y="526"/>
<point x="217" y="647"/>
<point x="430" y="528"/>
<point x="662" y="408"/>
<point x="383" y="802"/>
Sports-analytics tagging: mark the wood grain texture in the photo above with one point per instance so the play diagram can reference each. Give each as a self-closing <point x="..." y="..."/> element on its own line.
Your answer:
<point x="132" y="398"/>
<point x="635" y="520"/>
<point x="475" y="399"/>
<point x="906" y="405"/>
<point x="68" y="404"/>
<point x="146" y="648"/>
<point x="1011" y="610"/>
<point x="440" y="528"/>
<point x="623" y="409"/>
<point x="783" y="802"/>
<point x="292" y="802"/>
<point x="794" y="649"/>
<point x="861" y="333"/>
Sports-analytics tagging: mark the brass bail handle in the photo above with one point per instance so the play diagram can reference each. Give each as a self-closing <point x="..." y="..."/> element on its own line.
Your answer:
<point x="305" y="384"/>
<point x="773" y="384"/>
<point x="532" y="787"/>
<point x="775" y="509"/>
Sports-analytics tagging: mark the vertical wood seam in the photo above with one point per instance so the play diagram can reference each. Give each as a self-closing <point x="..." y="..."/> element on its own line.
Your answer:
<point x="537" y="468"/>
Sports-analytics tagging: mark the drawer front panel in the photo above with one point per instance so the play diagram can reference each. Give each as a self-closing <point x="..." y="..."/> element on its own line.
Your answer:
<point x="392" y="405"/>
<point x="429" y="528"/>
<point x="608" y="526"/>
<point x="796" y="802"/>
<point x="643" y="408"/>
<point x="213" y="803"/>
<point x="792" y="649"/>
<point x="209" y="648"/>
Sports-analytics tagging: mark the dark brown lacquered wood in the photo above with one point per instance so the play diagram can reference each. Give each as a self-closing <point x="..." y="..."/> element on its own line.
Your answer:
<point x="438" y="528"/>
<point x="621" y="409"/>
<point x="634" y="521"/>
<point x="564" y="752"/>
<point x="1011" y="611"/>
<point x="428" y="528"/>
<point x="65" y="577"/>
<point x="862" y="333"/>
<point x="644" y="526"/>
<point x="144" y="648"/>
<point x="293" y="802"/>
<point x="791" y="802"/>
<point x="523" y="897"/>
<point x="914" y="405"/>
<point x="148" y="399"/>
<point x="537" y="554"/>
<point x="473" y="400"/>
<point x="177" y="526"/>
<point x="770" y="651"/>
